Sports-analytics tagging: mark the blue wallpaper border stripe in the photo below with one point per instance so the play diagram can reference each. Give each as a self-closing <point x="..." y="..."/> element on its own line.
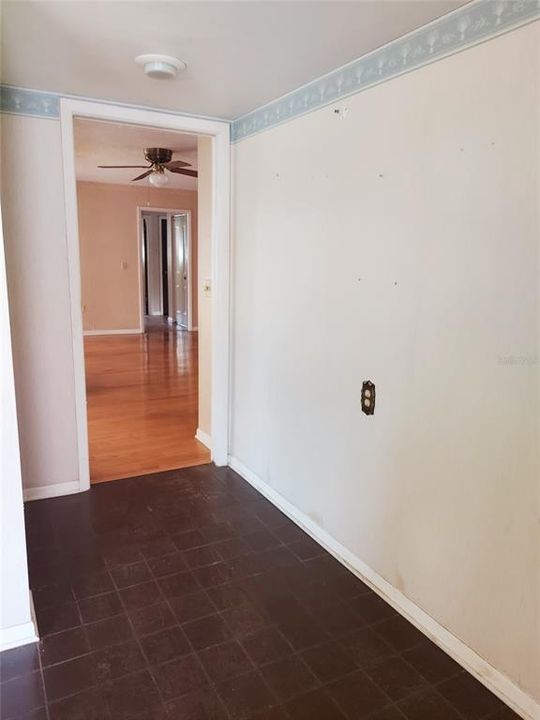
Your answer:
<point x="39" y="103"/>
<point x="469" y="25"/>
<point x="465" y="27"/>
<point x="19" y="101"/>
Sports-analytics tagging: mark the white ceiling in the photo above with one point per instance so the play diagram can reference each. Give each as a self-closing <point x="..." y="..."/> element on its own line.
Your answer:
<point x="240" y="55"/>
<point x="106" y="143"/>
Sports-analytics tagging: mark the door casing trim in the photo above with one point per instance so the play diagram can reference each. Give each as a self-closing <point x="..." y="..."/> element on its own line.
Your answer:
<point x="220" y="259"/>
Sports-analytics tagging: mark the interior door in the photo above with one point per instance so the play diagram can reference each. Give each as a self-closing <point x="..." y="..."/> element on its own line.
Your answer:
<point x="181" y="268"/>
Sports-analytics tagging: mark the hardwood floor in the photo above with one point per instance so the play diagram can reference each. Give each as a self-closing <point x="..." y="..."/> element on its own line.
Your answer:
<point x="142" y="393"/>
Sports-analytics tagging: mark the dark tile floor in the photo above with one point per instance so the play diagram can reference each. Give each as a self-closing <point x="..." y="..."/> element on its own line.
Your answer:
<point x="188" y="596"/>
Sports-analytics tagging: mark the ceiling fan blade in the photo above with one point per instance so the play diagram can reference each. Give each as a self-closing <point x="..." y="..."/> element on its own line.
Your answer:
<point x="182" y="171"/>
<point x="124" y="166"/>
<point x="144" y="174"/>
<point x="176" y="163"/>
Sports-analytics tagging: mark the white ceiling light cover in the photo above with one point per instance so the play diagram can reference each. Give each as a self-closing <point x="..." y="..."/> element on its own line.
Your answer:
<point x="160" y="67"/>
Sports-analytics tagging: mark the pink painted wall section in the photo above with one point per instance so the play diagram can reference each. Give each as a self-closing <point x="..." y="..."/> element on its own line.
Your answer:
<point x="109" y="247"/>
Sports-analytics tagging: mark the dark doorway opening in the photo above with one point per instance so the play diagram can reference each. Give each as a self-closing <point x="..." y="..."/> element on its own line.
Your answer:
<point x="145" y="251"/>
<point x="164" y="267"/>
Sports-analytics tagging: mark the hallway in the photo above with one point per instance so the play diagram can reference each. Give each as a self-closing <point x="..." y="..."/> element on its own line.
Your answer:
<point x="188" y="596"/>
<point x="142" y="400"/>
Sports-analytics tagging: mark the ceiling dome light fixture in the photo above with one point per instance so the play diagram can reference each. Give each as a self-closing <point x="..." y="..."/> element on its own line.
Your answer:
<point x="158" y="178"/>
<point x="160" y="67"/>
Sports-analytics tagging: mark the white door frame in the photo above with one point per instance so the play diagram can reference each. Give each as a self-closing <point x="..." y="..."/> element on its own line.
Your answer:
<point x="220" y="258"/>
<point x="169" y="213"/>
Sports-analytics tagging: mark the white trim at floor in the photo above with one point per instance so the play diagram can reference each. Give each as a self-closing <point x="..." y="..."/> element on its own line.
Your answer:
<point x="493" y="679"/>
<point x="48" y="491"/>
<point x="17" y="635"/>
<point x="203" y="437"/>
<point x="124" y="331"/>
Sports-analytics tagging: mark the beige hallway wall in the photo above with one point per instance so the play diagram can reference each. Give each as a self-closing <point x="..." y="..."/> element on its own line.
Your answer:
<point x="109" y="245"/>
<point x="400" y="244"/>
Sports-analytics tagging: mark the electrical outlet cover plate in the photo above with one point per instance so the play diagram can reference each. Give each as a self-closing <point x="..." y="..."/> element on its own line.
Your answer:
<point x="368" y="397"/>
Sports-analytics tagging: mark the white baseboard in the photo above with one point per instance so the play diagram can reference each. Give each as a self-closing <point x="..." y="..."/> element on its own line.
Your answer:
<point x="124" y="331"/>
<point x="493" y="679"/>
<point x="204" y="438"/>
<point x="49" y="491"/>
<point x="17" y="635"/>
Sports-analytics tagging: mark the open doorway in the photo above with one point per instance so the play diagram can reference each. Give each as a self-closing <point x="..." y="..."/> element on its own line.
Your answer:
<point x="168" y="255"/>
<point x="138" y="266"/>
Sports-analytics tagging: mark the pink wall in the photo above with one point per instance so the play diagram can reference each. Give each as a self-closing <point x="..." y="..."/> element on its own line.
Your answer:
<point x="109" y="247"/>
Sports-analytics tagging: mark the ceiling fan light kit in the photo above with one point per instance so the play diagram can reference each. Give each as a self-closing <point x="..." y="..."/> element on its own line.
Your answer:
<point x="158" y="178"/>
<point x="160" y="67"/>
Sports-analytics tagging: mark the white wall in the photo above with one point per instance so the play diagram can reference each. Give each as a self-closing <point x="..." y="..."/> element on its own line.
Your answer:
<point x="38" y="286"/>
<point x="36" y="260"/>
<point x="401" y="245"/>
<point x="204" y="224"/>
<point x="16" y="626"/>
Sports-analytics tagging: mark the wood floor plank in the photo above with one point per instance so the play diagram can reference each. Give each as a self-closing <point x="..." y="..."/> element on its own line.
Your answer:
<point x="142" y="393"/>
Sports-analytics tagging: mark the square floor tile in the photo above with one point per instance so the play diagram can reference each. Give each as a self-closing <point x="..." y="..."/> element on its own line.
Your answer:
<point x="365" y="646"/>
<point x="245" y="696"/>
<point x="108" y="632"/>
<point x="165" y="645"/>
<point x="372" y="609"/>
<point x="228" y="595"/>
<point x="202" y="556"/>
<point x="289" y="677"/>
<point x="182" y="583"/>
<point x="431" y="662"/>
<point x="207" y="631"/>
<point x="55" y="618"/>
<point x="151" y="618"/>
<point x="197" y="705"/>
<point x="118" y="660"/>
<point x="244" y="619"/>
<point x="167" y="565"/>
<point x="140" y="595"/>
<point x="395" y="677"/>
<point x="69" y="677"/>
<point x="231" y="548"/>
<point x="131" y="695"/>
<point x="63" y="646"/>
<point x="328" y="661"/>
<point x="225" y="661"/>
<point x="189" y="539"/>
<point x="212" y="575"/>
<point x="91" y="584"/>
<point x="192" y="606"/>
<point x="266" y="645"/>
<point x="179" y="676"/>
<point x="315" y="704"/>
<point x="302" y="632"/>
<point x="126" y="575"/>
<point x="100" y="607"/>
<point x="400" y="634"/>
<point x="428" y="705"/>
<point x="87" y="705"/>
<point x="469" y="697"/>
<point x="357" y="695"/>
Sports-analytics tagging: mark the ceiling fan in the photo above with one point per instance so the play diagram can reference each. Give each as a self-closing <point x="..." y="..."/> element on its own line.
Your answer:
<point x="160" y="159"/>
